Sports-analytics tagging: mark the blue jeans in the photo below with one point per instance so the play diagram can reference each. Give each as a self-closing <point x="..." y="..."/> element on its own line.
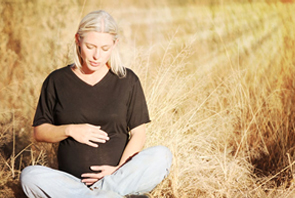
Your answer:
<point x="140" y="175"/>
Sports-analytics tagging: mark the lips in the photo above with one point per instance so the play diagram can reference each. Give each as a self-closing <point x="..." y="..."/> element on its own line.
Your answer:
<point x="94" y="63"/>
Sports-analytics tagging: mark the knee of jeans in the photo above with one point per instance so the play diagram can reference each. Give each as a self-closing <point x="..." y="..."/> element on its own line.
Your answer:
<point x="163" y="154"/>
<point x="28" y="175"/>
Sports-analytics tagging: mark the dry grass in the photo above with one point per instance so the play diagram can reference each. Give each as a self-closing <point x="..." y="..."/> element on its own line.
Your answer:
<point x="218" y="78"/>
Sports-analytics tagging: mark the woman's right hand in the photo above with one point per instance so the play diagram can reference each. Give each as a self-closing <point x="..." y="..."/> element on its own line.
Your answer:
<point x="87" y="134"/>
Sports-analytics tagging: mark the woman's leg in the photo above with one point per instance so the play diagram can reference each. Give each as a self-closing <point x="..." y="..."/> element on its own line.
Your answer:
<point x="41" y="181"/>
<point x="141" y="174"/>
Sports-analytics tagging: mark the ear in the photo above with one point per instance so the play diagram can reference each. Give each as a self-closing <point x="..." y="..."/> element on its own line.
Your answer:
<point x="116" y="43"/>
<point x="77" y="39"/>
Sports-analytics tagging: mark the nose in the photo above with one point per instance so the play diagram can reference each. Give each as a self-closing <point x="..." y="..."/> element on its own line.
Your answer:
<point x="96" y="54"/>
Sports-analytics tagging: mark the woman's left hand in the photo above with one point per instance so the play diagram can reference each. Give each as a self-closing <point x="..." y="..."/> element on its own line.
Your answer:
<point x="91" y="178"/>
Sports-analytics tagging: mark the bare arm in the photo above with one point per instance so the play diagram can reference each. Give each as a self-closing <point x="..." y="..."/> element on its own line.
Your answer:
<point x="83" y="133"/>
<point x="50" y="133"/>
<point x="135" y="143"/>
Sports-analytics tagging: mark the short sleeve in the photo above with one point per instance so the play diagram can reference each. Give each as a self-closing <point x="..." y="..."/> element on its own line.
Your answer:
<point x="137" y="113"/>
<point x="46" y="103"/>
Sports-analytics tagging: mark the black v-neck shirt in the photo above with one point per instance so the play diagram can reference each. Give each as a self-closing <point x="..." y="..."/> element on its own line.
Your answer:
<point x="116" y="104"/>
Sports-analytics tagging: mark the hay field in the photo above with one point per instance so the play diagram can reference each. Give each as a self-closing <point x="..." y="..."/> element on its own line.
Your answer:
<point x="218" y="77"/>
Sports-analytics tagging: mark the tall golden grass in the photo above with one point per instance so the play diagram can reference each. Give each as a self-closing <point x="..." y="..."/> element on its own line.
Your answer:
<point x="218" y="77"/>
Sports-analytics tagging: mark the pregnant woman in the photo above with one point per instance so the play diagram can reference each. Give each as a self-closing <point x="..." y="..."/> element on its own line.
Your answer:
<point x="96" y="109"/>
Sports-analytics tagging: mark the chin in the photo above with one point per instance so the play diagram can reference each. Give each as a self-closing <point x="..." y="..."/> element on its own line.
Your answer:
<point x="91" y="68"/>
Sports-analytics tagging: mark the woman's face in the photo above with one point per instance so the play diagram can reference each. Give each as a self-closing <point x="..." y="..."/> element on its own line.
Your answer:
<point x="96" y="49"/>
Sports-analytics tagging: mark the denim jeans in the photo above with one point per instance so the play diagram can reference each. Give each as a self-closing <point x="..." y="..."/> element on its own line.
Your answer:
<point x="140" y="175"/>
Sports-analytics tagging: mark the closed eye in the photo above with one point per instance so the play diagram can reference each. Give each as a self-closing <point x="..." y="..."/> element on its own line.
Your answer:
<point x="105" y="49"/>
<point x="89" y="46"/>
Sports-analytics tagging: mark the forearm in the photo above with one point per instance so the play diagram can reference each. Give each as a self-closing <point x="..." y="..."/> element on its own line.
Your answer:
<point x="135" y="143"/>
<point x="50" y="133"/>
<point x="83" y="133"/>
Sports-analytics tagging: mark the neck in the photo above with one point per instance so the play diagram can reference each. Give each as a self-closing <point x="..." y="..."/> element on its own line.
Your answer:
<point x="86" y="71"/>
<point x="89" y="76"/>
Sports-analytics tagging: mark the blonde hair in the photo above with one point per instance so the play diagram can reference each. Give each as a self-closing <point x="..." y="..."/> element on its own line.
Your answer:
<point x="100" y="21"/>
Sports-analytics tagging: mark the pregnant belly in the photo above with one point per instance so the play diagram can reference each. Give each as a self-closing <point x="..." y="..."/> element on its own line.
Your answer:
<point x="76" y="158"/>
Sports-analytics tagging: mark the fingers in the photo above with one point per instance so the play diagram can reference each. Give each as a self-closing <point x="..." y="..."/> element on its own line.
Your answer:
<point x="88" y="134"/>
<point x="103" y="170"/>
<point x="96" y="136"/>
<point x="92" y="139"/>
<point x="98" y="133"/>
<point x="89" y="181"/>
<point x="89" y="143"/>
<point x="97" y="129"/>
<point x="96" y="168"/>
<point x="90" y="178"/>
<point x="99" y="139"/>
<point x="92" y="175"/>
